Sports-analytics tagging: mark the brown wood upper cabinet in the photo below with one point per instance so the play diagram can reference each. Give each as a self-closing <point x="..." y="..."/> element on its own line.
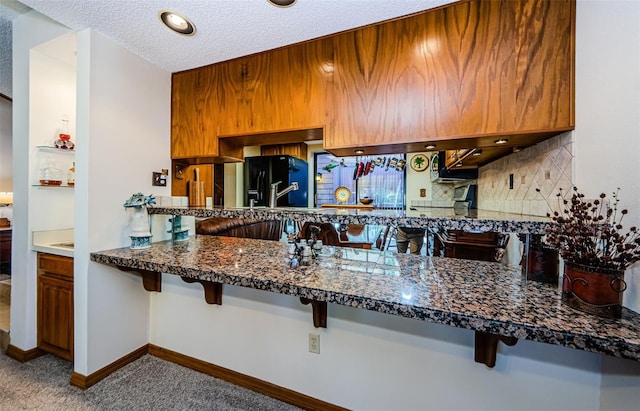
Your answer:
<point x="461" y="75"/>
<point x="204" y="101"/>
<point x="471" y="69"/>
<point x="280" y="90"/>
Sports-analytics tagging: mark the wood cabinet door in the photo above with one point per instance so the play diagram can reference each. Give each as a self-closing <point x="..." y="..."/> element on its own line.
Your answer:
<point x="283" y="89"/>
<point x="205" y="102"/>
<point x="467" y="71"/>
<point x="545" y="49"/>
<point x="437" y="74"/>
<point x="289" y="88"/>
<point x="55" y="316"/>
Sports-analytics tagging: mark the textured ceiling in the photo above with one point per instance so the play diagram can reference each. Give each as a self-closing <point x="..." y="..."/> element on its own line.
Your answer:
<point x="225" y="28"/>
<point x="9" y="9"/>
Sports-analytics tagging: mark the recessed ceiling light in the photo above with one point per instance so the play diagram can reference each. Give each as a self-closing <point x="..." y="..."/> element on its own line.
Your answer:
<point x="501" y="141"/>
<point x="176" y="22"/>
<point x="477" y="152"/>
<point x="359" y="151"/>
<point x="430" y="146"/>
<point x="282" y="3"/>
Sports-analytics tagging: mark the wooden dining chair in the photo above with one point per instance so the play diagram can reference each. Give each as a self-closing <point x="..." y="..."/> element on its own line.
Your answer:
<point x="329" y="236"/>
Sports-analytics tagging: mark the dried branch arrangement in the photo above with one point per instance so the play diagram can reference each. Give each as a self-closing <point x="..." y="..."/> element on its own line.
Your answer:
<point x="590" y="233"/>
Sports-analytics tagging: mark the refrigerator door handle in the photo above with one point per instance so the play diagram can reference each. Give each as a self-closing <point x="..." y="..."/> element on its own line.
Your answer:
<point x="260" y="185"/>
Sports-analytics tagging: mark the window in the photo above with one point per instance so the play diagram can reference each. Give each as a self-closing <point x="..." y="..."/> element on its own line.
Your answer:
<point x="385" y="184"/>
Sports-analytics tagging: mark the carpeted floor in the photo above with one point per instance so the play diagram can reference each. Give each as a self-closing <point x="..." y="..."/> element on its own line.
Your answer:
<point x="146" y="384"/>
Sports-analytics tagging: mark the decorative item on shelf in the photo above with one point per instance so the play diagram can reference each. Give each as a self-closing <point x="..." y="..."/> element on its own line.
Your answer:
<point x="139" y="225"/>
<point x="589" y="237"/>
<point x="64" y="136"/>
<point x="50" y="174"/>
<point x="178" y="233"/>
<point x="541" y="261"/>
<point x="342" y="194"/>
<point x="366" y="165"/>
<point x="196" y="191"/>
<point x="333" y="164"/>
<point x="71" y="175"/>
<point x="434" y="165"/>
<point x="419" y="162"/>
<point x="366" y="200"/>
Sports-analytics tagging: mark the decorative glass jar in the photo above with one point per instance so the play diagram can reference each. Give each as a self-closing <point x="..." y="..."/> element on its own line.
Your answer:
<point x="50" y="175"/>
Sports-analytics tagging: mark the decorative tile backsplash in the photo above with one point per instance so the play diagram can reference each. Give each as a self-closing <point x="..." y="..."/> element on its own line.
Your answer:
<point x="441" y="196"/>
<point x="548" y="166"/>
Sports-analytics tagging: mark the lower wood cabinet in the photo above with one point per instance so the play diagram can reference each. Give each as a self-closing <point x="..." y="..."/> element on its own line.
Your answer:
<point x="5" y="251"/>
<point x="55" y="305"/>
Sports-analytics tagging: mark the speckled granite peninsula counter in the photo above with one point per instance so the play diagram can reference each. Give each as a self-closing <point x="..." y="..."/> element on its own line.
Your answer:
<point x="476" y="220"/>
<point x="490" y="298"/>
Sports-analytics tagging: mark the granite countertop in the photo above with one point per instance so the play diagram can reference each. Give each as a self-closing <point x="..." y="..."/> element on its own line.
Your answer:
<point x="476" y="295"/>
<point x="475" y="220"/>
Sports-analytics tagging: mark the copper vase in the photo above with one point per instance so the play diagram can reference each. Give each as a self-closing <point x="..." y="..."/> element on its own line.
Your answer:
<point x="593" y="290"/>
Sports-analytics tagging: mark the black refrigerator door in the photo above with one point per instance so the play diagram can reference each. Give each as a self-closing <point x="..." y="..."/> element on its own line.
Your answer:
<point x="256" y="181"/>
<point x="280" y="172"/>
<point x="260" y="172"/>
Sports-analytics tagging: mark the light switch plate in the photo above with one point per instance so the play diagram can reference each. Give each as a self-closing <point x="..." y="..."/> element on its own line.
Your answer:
<point x="159" y="179"/>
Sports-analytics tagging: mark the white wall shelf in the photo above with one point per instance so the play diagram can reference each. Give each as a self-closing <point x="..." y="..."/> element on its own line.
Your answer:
<point x="56" y="150"/>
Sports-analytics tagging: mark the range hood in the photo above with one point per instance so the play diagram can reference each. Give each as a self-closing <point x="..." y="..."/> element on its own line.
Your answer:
<point x="441" y="174"/>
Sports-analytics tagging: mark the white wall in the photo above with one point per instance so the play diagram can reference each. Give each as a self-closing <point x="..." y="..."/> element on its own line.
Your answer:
<point x="29" y="30"/>
<point x="6" y="162"/>
<point x="124" y="115"/>
<point x="607" y="134"/>
<point x="417" y="180"/>
<point x="368" y="360"/>
<point x="52" y="82"/>
<point x="123" y="135"/>
<point x="607" y="144"/>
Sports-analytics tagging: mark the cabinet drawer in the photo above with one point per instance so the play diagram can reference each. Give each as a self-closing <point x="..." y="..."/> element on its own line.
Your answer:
<point x="56" y="264"/>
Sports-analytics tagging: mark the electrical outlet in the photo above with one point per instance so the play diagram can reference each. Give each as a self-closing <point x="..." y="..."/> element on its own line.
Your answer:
<point x="314" y="343"/>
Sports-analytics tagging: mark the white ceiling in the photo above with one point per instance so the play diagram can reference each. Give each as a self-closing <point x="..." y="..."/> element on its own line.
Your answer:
<point x="225" y="28"/>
